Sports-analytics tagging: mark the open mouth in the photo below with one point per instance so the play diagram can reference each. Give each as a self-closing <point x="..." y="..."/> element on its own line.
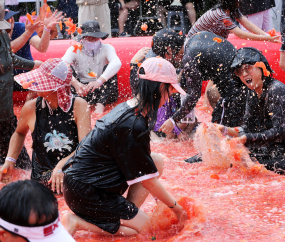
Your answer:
<point x="248" y="81"/>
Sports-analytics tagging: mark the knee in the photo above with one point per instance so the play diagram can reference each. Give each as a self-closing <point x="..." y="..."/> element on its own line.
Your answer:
<point x="158" y="161"/>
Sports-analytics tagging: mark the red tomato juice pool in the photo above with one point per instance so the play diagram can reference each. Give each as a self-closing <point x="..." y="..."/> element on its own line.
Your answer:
<point x="223" y="205"/>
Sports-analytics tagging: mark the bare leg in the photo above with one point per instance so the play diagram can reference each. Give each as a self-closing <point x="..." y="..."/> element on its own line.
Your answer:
<point x="99" y="108"/>
<point x="206" y="101"/>
<point x="73" y="223"/>
<point x="161" y="12"/>
<point x="191" y="12"/>
<point x="137" y="194"/>
<point x="282" y="60"/>
<point x="123" y="13"/>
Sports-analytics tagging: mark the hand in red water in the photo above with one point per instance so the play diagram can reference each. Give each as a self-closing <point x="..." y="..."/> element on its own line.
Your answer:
<point x="241" y="139"/>
<point x="56" y="180"/>
<point x="6" y="172"/>
<point x="167" y="127"/>
<point x="180" y="214"/>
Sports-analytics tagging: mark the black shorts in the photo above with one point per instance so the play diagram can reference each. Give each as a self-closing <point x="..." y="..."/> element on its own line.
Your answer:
<point x="96" y="206"/>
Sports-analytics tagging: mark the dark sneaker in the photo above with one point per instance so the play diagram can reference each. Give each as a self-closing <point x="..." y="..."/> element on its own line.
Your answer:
<point x="124" y="34"/>
<point x="194" y="159"/>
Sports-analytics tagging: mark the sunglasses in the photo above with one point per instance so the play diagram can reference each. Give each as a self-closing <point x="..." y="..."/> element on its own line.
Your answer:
<point x="246" y="67"/>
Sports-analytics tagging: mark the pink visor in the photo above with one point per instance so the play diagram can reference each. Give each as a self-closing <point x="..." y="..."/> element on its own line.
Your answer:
<point x="160" y="70"/>
<point x="51" y="232"/>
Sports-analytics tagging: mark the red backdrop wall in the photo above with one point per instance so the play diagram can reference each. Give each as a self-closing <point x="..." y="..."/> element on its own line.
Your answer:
<point x="127" y="47"/>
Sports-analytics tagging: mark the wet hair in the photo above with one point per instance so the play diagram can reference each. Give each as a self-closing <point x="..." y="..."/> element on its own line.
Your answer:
<point x="20" y="199"/>
<point x="167" y="38"/>
<point x="232" y="6"/>
<point x="250" y="55"/>
<point x="149" y="94"/>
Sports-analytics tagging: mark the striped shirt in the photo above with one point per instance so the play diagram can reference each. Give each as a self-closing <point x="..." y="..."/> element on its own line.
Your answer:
<point x="216" y="21"/>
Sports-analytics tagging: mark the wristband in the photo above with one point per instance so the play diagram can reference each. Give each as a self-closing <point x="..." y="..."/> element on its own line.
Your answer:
<point x="59" y="171"/>
<point x="101" y="83"/>
<point x="10" y="159"/>
<point x="46" y="29"/>
<point x="171" y="119"/>
<point x="225" y="132"/>
<point x="173" y="205"/>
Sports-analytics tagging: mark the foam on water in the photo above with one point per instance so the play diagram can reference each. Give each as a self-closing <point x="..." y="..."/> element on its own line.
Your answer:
<point x="235" y="204"/>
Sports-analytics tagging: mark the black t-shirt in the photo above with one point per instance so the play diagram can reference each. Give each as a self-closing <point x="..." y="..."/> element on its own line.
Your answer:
<point x="114" y="155"/>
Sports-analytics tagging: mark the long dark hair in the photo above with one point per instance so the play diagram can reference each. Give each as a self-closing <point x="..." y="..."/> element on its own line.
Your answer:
<point x="148" y="94"/>
<point x="232" y="6"/>
<point x="19" y="199"/>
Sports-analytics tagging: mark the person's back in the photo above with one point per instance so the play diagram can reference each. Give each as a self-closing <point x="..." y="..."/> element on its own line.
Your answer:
<point x="106" y="147"/>
<point x="214" y="20"/>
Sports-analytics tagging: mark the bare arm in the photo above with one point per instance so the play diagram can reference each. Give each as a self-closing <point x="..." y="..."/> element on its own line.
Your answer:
<point x="157" y="190"/>
<point x="83" y="123"/>
<point x="26" y="122"/>
<point x="41" y="44"/>
<point x="251" y="26"/>
<point x="19" y="42"/>
<point x="282" y="60"/>
<point x="249" y="36"/>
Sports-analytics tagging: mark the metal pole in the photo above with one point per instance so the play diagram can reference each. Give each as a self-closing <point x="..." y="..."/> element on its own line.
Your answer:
<point x="38" y="7"/>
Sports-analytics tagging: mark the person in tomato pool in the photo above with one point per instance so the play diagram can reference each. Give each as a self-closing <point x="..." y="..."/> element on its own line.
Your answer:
<point x="95" y="67"/>
<point x="57" y="120"/>
<point x="221" y="20"/>
<point x="29" y="212"/>
<point x="263" y="130"/>
<point x="116" y="156"/>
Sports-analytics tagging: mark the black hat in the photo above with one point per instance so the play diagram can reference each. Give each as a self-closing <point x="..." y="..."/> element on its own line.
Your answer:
<point x="167" y="38"/>
<point x="9" y="13"/>
<point x="91" y="28"/>
<point x="249" y="55"/>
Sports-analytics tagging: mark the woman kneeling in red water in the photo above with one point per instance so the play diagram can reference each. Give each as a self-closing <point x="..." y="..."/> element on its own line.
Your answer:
<point x="57" y="120"/>
<point x="116" y="156"/>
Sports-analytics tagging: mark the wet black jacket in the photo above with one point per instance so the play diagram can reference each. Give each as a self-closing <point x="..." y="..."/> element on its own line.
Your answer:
<point x="264" y="120"/>
<point x="8" y="61"/>
<point x="206" y="59"/>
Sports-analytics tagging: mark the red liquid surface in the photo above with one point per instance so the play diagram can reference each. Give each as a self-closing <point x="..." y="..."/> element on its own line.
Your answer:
<point x="227" y="205"/>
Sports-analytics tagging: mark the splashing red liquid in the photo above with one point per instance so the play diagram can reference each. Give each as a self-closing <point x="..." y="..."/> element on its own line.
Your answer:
<point x="242" y="205"/>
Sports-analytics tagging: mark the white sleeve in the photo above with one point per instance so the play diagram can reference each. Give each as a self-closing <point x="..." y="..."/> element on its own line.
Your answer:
<point x="69" y="56"/>
<point x="114" y="62"/>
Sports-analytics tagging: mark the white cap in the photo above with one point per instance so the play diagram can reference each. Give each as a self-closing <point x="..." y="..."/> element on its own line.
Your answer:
<point x="48" y="233"/>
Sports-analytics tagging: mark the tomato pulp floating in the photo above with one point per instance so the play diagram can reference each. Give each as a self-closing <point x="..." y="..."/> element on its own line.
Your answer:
<point x="237" y="207"/>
